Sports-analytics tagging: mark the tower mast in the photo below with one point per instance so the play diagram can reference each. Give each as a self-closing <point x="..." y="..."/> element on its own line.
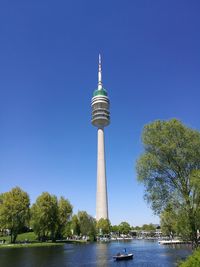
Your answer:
<point x="100" y="85"/>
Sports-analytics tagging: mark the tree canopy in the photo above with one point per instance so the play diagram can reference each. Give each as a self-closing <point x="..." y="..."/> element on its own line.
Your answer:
<point x="14" y="211"/>
<point x="44" y="216"/>
<point x="148" y="227"/>
<point x="87" y="224"/>
<point x="49" y="217"/>
<point x="168" y="220"/>
<point x="103" y="226"/>
<point x="124" y="228"/>
<point x="75" y="226"/>
<point x="64" y="215"/>
<point x="169" y="169"/>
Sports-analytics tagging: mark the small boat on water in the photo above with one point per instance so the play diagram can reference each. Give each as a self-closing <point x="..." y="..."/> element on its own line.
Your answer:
<point x="120" y="257"/>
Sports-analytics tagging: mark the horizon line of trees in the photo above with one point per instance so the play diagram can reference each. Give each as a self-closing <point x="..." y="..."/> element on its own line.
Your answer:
<point x="51" y="218"/>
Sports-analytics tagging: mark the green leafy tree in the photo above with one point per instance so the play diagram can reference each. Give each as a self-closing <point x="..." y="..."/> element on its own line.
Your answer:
<point x="75" y="225"/>
<point x="103" y="226"/>
<point x="168" y="220"/>
<point x="137" y="228"/>
<point x="87" y="224"/>
<point x="68" y="230"/>
<point x="45" y="216"/>
<point x="115" y="229"/>
<point x="64" y="214"/>
<point x="124" y="228"/>
<point x="148" y="227"/>
<point x="14" y="211"/>
<point x="169" y="169"/>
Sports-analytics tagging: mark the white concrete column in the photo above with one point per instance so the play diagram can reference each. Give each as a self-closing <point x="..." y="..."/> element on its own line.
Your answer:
<point x="102" y="202"/>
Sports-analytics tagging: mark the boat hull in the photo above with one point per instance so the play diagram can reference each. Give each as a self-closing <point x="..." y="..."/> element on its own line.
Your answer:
<point x="123" y="257"/>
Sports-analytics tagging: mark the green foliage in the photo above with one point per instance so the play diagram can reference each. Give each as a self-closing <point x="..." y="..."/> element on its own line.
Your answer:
<point x="44" y="216"/>
<point x="64" y="215"/>
<point x="168" y="220"/>
<point x="169" y="169"/>
<point x="87" y="224"/>
<point x="75" y="226"/>
<point x="67" y="230"/>
<point x="137" y="228"/>
<point x="148" y="227"/>
<point x="193" y="260"/>
<point x="103" y="226"/>
<point x="124" y="228"/>
<point x="14" y="211"/>
<point x="49" y="217"/>
<point x="115" y="228"/>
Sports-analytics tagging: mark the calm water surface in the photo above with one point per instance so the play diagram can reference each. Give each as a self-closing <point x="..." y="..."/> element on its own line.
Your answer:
<point x="146" y="254"/>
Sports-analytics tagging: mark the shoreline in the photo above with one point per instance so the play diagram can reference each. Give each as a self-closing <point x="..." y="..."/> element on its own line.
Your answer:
<point x="40" y="244"/>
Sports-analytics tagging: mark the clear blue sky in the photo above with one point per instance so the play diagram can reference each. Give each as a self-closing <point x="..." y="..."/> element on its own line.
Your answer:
<point x="48" y="72"/>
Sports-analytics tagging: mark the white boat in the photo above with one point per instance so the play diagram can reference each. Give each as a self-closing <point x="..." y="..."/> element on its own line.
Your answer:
<point x="126" y="256"/>
<point x="171" y="242"/>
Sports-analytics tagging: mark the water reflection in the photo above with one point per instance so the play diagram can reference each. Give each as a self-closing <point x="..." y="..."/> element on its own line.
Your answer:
<point x="102" y="255"/>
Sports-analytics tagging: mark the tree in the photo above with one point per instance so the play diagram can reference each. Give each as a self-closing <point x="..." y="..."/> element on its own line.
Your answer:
<point x="64" y="214"/>
<point x="169" y="169"/>
<point x="68" y="230"/>
<point x="168" y="220"/>
<point x="148" y="227"/>
<point x="14" y="211"/>
<point x="124" y="228"/>
<point x="44" y="216"/>
<point x="75" y="226"/>
<point x="103" y="226"/>
<point x="87" y="224"/>
<point x="137" y="228"/>
<point x="115" y="229"/>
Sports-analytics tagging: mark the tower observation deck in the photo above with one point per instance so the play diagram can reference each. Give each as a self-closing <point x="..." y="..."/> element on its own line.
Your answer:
<point x="101" y="118"/>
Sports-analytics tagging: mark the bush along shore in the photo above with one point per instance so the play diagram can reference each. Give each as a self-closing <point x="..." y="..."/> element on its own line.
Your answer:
<point x="192" y="261"/>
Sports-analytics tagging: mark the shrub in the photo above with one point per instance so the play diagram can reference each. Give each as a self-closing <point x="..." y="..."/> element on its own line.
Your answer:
<point x="192" y="261"/>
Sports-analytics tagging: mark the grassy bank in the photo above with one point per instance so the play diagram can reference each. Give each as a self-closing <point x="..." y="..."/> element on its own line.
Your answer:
<point x="29" y="245"/>
<point x="30" y="240"/>
<point x="193" y="260"/>
<point x="30" y="237"/>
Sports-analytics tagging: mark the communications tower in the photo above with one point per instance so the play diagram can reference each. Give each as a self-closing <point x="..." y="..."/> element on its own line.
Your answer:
<point x="101" y="119"/>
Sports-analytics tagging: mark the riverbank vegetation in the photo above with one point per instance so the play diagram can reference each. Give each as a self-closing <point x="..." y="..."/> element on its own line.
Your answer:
<point x="170" y="171"/>
<point x="48" y="216"/>
<point x="50" y="219"/>
<point x="193" y="260"/>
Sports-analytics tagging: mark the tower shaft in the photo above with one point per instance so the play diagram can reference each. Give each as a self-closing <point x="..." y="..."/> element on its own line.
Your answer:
<point x="101" y="197"/>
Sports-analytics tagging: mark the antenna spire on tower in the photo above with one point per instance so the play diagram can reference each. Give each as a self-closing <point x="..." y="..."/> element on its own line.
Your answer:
<point x="100" y="85"/>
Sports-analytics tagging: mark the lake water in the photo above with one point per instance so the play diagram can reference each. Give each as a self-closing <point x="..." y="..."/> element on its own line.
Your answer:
<point x="146" y="254"/>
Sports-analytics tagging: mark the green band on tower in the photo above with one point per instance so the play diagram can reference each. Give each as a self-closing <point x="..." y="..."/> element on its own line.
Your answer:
<point x="100" y="92"/>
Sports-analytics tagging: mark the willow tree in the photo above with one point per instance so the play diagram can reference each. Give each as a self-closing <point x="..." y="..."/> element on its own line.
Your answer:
<point x="169" y="169"/>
